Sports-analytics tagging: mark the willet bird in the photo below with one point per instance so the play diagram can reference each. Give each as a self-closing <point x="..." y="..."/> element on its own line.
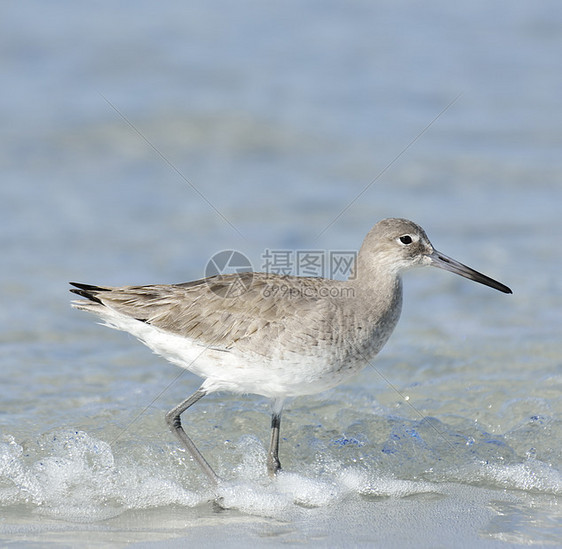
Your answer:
<point x="273" y="335"/>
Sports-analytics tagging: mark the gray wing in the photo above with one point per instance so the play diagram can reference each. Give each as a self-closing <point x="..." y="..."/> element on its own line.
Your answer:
<point x="220" y="311"/>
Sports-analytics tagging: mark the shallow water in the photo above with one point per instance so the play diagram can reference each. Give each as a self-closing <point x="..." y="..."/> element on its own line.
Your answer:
<point x="114" y="126"/>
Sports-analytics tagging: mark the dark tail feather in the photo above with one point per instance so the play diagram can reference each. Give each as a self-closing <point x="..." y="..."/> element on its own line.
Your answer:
<point x="88" y="291"/>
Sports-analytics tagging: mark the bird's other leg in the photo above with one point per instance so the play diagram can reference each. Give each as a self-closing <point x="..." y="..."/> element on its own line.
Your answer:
<point x="273" y="463"/>
<point x="174" y="422"/>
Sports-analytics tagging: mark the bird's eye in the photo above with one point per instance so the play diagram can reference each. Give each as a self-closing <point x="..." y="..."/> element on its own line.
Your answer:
<point x="406" y="239"/>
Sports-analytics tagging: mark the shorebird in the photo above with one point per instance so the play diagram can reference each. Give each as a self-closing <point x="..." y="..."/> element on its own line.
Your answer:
<point x="274" y="335"/>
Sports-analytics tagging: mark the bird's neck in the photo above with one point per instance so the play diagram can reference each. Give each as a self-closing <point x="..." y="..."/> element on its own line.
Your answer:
<point x="380" y="289"/>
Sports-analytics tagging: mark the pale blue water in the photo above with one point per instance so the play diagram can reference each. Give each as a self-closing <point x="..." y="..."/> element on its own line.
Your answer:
<point x="281" y="116"/>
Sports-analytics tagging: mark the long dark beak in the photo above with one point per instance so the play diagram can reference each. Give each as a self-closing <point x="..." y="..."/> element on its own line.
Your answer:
<point x="443" y="262"/>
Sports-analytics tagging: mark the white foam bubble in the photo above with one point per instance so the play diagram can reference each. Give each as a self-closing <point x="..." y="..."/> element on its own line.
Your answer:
<point x="73" y="475"/>
<point x="366" y="483"/>
<point x="532" y="475"/>
<point x="79" y="479"/>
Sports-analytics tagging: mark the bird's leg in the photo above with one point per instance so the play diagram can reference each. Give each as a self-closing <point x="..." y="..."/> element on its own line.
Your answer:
<point x="273" y="463"/>
<point x="174" y="422"/>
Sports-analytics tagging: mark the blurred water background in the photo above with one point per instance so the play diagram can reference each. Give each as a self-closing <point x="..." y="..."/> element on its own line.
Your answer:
<point x="137" y="139"/>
